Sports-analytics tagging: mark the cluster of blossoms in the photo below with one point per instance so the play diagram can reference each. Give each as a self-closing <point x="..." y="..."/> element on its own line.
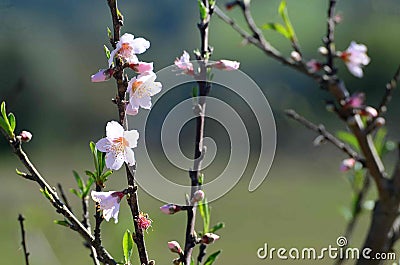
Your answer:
<point x="183" y="63"/>
<point x="118" y="143"/>
<point x="355" y="57"/>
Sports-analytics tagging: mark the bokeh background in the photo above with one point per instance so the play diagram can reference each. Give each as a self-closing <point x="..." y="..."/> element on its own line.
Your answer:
<point x="49" y="49"/>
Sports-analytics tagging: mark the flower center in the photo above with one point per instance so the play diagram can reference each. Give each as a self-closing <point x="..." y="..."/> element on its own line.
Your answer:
<point x="345" y="56"/>
<point x="119" y="145"/>
<point x="140" y="89"/>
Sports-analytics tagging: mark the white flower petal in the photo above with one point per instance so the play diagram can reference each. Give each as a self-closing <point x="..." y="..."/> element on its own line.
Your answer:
<point x="132" y="137"/>
<point x="145" y="102"/>
<point x="108" y="213"/>
<point x="115" y="213"/>
<point x="355" y="70"/>
<point x="134" y="102"/>
<point x="130" y="110"/>
<point x="139" y="45"/>
<point x="129" y="156"/>
<point x="126" y="38"/>
<point x="103" y="145"/>
<point x="111" y="59"/>
<point x="114" y="161"/>
<point x="155" y="88"/>
<point x="114" y="130"/>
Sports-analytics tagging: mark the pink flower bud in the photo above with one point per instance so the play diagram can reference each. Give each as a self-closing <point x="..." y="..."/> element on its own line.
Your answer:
<point x="314" y="66"/>
<point x="143" y="221"/>
<point x="209" y="238"/>
<point x="380" y="121"/>
<point x="142" y="67"/>
<point x="174" y="247"/>
<point x="25" y="136"/>
<point x="347" y="164"/>
<point x="198" y="196"/>
<point x="355" y="101"/>
<point x="102" y="75"/>
<point x="226" y="65"/>
<point x="170" y="208"/>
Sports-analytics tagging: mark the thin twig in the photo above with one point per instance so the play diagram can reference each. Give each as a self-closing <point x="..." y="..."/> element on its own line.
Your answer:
<point x="23" y="242"/>
<point x="63" y="196"/>
<point x="330" y="38"/>
<point x="320" y="129"/>
<point x="390" y="87"/>
<point x="204" y="90"/>
<point x="86" y="223"/>
<point x="54" y="199"/>
<point x="259" y="41"/>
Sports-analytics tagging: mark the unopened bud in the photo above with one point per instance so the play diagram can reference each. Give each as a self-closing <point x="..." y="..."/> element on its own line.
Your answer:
<point x="102" y="75"/>
<point x="25" y="136"/>
<point x="198" y="196"/>
<point x="347" y="164"/>
<point x="174" y="247"/>
<point x="323" y="50"/>
<point x="170" y="208"/>
<point x="295" y="56"/>
<point x="369" y="111"/>
<point x="209" y="238"/>
<point x="380" y="121"/>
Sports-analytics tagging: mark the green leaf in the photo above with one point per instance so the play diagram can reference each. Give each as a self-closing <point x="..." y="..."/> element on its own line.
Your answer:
<point x="101" y="162"/>
<point x="78" y="180"/>
<point x="278" y="28"/>
<point x="3" y="110"/>
<point x="105" y="175"/>
<point x="205" y="214"/>
<point x="201" y="178"/>
<point x="62" y="222"/>
<point x="77" y="193"/>
<point x="282" y="10"/>
<point x="195" y="91"/>
<point x="107" y="52"/>
<point x="109" y="34"/>
<point x="217" y="227"/>
<point x="90" y="174"/>
<point x="89" y="184"/>
<point x="379" y="140"/>
<point x="20" y="173"/>
<point x="3" y="124"/>
<point x="46" y="193"/>
<point x="127" y="245"/>
<point x="349" y="139"/>
<point x="210" y="260"/>
<point x="203" y="10"/>
<point x="11" y="119"/>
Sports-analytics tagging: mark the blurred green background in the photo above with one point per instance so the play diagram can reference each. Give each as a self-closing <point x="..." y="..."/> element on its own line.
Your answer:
<point x="48" y="51"/>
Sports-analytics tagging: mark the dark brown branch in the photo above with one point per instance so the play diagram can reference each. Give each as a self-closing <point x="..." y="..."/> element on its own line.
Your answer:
<point x="259" y="41"/>
<point x="122" y="85"/>
<point x="60" y="207"/>
<point x="204" y="89"/>
<point x="23" y="242"/>
<point x="86" y="223"/>
<point x="320" y="129"/>
<point x="202" y="253"/>
<point x="390" y="87"/>
<point x="133" y="202"/>
<point x="63" y="196"/>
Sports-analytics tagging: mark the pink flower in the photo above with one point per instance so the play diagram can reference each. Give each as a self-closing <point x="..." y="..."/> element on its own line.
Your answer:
<point x="170" y="208"/>
<point x="174" y="247"/>
<point x="108" y="203"/>
<point x="127" y="48"/>
<point x="142" y="67"/>
<point x="184" y="63"/>
<point x="313" y="65"/>
<point x="355" y="101"/>
<point x="355" y="57"/>
<point x="143" y="221"/>
<point x="25" y="136"/>
<point x="347" y="164"/>
<point x="198" y="196"/>
<point x="118" y="145"/>
<point x="209" y="238"/>
<point x="226" y="65"/>
<point x="102" y="75"/>
<point x="141" y="89"/>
